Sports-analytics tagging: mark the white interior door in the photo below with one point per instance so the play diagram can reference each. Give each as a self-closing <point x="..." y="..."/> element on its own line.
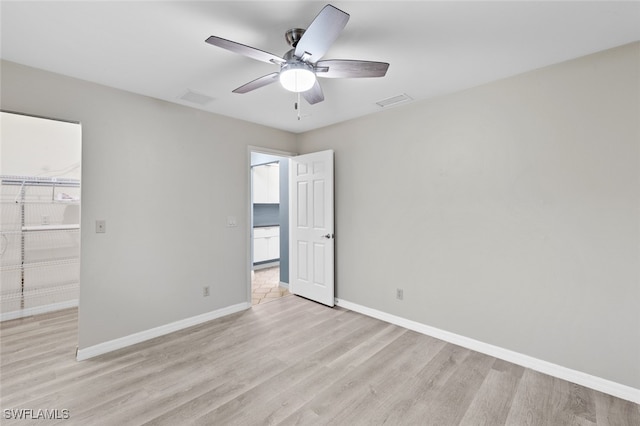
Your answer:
<point x="311" y="247"/>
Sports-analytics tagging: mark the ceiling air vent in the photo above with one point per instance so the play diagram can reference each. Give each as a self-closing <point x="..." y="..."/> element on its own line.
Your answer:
<point x="196" y="98"/>
<point x="395" y="100"/>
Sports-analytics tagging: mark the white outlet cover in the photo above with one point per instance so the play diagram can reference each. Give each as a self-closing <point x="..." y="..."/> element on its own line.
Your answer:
<point x="101" y="226"/>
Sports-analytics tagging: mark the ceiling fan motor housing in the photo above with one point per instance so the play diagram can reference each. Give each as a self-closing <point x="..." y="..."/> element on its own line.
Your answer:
<point x="293" y="36"/>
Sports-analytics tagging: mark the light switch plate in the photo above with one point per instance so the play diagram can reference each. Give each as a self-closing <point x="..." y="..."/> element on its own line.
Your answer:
<point x="232" y="221"/>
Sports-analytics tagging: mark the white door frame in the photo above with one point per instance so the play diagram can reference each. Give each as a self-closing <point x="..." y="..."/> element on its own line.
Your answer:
<point x="248" y="254"/>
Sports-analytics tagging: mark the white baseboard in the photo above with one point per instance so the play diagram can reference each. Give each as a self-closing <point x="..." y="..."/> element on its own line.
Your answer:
<point x="37" y="310"/>
<point x="597" y="383"/>
<point x="132" y="339"/>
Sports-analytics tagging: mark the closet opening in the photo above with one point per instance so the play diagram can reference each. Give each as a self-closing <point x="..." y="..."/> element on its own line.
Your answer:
<point x="269" y="236"/>
<point x="40" y="172"/>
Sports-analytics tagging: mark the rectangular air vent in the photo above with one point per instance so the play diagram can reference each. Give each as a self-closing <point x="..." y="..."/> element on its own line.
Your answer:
<point x="196" y="98"/>
<point x="395" y="100"/>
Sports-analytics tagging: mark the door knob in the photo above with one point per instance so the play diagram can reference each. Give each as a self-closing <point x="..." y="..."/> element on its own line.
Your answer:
<point x="328" y="236"/>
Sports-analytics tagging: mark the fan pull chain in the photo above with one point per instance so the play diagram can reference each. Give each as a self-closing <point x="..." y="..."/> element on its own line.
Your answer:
<point x="298" y="107"/>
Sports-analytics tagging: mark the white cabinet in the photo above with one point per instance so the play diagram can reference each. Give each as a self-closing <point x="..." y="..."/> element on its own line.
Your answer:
<point x="266" y="183"/>
<point x="266" y="243"/>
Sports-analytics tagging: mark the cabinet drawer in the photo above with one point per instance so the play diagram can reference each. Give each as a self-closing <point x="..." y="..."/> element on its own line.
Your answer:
<point x="266" y="232"/>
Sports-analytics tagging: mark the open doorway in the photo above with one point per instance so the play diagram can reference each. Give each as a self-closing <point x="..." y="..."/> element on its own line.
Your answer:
<point x="40" y="215"/>
<point x="269" y="212"/>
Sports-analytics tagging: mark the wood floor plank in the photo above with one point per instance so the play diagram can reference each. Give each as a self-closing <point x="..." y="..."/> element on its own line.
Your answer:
<point x="356" y="384"/>
<point x="542" y="399"/>
<point x="494" y="397"/>
<point x="284" y="402"/>
<point x="453" y="390"/>
<point x="290" y="361"/>
<point x="20" y="324"/>
<point x="611" y="411"/>
<point x="580" y="402"/>
<point x="532" y="404"/>
<point x="384" y="388"/>
<point x="300" y="368"/>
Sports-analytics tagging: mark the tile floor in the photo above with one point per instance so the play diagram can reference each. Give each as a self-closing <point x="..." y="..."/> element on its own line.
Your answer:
<point x="265" y="285"/>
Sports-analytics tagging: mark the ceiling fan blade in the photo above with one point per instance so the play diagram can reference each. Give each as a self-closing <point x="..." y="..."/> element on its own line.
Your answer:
<point x="347" y="68"/>
<point x="259" y="82"/>
<point x="242" y="49"/>
<point x="314" y="95"/>
<point x="321" y="34"/>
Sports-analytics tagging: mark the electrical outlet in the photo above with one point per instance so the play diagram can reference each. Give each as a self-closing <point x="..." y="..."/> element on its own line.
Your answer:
<point x="45" y="220"/>
<point x="205" y="291"/>
<point x="101" y="226"/>
<point x="399" y="293"/>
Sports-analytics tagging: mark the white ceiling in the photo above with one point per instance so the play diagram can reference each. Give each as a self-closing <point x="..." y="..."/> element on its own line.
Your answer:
<point x="157" y="48"/>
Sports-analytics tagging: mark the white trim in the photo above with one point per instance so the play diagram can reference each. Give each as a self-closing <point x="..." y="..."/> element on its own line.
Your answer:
<point x="270" y="151"/>
<point x="132" y="339"/>
<point x="602" y="385"/>
<point x="37" y="310"/>
<point x="50" y="227"/>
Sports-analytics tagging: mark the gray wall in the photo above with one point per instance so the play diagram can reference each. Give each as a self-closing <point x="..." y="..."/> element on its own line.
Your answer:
<point x="165" y="178"/>
<point x="266" y="214"/>
<point x="507" y="212"/>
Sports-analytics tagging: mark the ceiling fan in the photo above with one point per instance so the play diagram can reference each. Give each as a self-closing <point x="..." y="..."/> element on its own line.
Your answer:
<point x="300" y="66"/>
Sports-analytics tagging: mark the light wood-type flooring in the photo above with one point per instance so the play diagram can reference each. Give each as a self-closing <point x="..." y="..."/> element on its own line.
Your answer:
<point x="289" y="361"/>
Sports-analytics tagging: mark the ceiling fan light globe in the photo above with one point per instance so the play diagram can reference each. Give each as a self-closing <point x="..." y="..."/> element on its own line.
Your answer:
<point x="297" y="79"/>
